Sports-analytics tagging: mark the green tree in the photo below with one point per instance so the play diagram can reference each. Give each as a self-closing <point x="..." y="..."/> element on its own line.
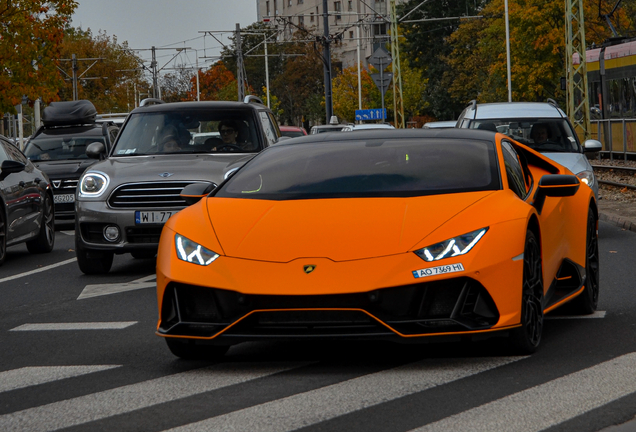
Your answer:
<point x="345" y="93"/>
<point x="109" y="82"/>
<point x="177" y="86"/>
<point x="426" y="45"/>
<point x="31" y="32"/>
<point x="476" y="68"/>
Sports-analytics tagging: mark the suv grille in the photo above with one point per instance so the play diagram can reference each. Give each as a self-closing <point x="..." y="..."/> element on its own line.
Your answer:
<point x="149" y="195"/>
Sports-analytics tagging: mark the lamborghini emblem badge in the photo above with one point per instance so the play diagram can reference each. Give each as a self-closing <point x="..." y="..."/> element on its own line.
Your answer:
<point x="309" y="268"/>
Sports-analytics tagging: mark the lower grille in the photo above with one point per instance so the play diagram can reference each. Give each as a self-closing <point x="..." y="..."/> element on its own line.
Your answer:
<point x="143" y="235"/>
<point x="460" y="304"/>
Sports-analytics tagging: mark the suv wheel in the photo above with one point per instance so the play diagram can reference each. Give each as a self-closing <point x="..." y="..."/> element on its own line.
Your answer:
<point x="45" y="240"/>
<point x="92" y="261"/>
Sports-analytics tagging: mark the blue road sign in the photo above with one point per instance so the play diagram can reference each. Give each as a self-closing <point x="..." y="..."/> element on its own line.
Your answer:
<point x="371" y="114"/>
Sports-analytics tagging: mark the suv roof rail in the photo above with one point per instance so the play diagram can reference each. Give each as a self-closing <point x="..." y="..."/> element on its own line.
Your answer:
<point x="149" y="101"/>
<point x="252" y="98"/>
<point x="473" y="104"/>
<point x="553" y="102"/>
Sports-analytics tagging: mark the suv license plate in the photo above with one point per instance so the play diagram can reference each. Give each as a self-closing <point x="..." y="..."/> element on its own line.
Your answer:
<point x="152" y="217"/>
<point x="63" y="198"/>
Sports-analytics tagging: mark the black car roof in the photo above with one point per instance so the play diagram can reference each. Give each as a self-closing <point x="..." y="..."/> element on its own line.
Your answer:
<point x="392" y="133"/>
<point x="207" y="105"/>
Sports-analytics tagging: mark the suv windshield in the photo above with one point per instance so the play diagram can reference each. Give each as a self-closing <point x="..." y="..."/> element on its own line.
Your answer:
<point x="153" y="133"/>
<point x="372" y="168"/>
<point x="541" y="134"/>
<point x="66" y="147"/>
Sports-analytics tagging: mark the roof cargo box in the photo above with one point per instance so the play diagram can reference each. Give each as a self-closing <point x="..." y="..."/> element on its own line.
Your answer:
<point x="69" y="113"/>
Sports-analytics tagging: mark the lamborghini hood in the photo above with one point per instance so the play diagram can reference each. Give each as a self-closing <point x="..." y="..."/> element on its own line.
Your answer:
<point x="338" y="229"/>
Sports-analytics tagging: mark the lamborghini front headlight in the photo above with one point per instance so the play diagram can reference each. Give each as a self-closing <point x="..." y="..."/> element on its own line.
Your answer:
<point x="452" y="247"/>
<point x="192" y="252"/>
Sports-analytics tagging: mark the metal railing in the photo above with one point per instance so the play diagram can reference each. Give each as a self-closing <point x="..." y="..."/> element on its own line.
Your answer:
<point x="618" y="137"/>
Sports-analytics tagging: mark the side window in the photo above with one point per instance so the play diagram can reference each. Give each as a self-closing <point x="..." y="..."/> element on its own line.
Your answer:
<point x="514" y="172"/>
<point x="14" y="154"/>
<point x="268" y="127"/>
<point x="3" y="153"/>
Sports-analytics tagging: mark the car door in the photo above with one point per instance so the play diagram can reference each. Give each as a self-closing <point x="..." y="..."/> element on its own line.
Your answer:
<point x="12" y="186"/>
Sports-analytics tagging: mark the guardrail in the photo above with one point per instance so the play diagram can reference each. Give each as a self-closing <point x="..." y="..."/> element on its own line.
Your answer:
<point x="618" y="137"/>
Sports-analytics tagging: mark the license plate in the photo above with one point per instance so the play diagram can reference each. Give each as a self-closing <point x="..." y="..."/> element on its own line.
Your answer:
<point x="63" y="198"/>
<point x="433" y="271"/>
<point x="152" y="217"/>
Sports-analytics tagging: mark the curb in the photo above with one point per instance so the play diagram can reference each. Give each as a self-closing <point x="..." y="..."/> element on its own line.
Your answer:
<point x="618" y="221"/>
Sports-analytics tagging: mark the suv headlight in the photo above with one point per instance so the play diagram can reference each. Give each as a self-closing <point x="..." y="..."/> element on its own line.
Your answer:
<point x="192" y="252"/>
<point x="93" y="184"/>
<point x="452" y="247"/>
<point x="586" y="177"/>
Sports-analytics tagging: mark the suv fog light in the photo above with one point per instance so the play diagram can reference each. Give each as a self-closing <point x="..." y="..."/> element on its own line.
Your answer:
<point x="111" y="233"/>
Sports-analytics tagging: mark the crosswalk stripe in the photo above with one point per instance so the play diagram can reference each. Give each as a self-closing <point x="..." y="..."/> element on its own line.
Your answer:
<point x="39" y="270"/>
<point x="548" y="404"/>
<point x="75" y="326"/>
<point x="315" y="406"/>
<point x="132" y="397"/>
<point x="96" y="290"/>
<point x="30" y="376"/>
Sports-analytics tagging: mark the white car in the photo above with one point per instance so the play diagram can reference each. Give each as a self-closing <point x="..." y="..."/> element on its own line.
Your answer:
<point x="522" y="122"/>
<point x="367" y="126"/>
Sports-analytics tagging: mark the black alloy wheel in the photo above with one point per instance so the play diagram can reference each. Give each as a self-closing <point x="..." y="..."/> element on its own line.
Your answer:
<point x="3" y="237"/>
<point x="189" y="350"/>
<point x="587" y="302"/>
<point x="526" y="339"/>
<point x="45" y="240"/>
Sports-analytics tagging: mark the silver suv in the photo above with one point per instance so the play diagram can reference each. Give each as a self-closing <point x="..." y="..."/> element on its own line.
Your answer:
<point x="542" y="126"/>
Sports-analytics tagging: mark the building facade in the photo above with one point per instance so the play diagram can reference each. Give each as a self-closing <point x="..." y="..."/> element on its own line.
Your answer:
<point x="358" y="24"/>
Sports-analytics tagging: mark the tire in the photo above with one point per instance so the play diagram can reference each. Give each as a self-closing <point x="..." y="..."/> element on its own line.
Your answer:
<point x="188" y="350"/>
<point x="45" y="240"/>
<point x="526" y="339"/>
<point x="3" y="236"/>
<point x="586" y="302"/>
<point x="93" y="262"/>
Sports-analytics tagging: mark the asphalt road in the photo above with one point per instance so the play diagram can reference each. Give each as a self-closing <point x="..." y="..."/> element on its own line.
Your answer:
<point x="79" y="353"/>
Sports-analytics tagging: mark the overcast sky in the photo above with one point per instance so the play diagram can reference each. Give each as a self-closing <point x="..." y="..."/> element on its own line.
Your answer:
<point x="166" y="24"/>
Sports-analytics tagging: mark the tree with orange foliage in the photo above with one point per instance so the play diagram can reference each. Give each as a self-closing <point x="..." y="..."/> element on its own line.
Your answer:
<point x="30" y="37"/>
<point x="216" y="83"/>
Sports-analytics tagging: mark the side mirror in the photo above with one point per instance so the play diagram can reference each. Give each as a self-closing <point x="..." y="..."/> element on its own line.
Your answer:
<point x="193" y="193"/>
<point x="96" y="150"/>
<point x="11" y="166"/>
<point x="592" y="146"/>
<point x="555" y="185"/>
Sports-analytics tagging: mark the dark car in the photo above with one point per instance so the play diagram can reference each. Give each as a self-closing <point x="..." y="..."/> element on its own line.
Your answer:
<point x="59" y="149"/>
<point x="26" y="203"/>
<point x="124" y="201"/>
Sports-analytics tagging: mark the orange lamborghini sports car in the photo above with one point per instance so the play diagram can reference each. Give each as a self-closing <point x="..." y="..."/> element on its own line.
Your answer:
<point x="397" y="234"/>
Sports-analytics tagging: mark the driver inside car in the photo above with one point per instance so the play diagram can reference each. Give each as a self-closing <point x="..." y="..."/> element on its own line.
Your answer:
<point x="540" y="133"/>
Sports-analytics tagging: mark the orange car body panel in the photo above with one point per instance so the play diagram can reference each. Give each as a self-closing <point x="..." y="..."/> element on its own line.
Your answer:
<point x="361" y="244"/>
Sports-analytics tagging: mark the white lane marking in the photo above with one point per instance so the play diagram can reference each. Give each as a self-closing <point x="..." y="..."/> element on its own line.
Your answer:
<point x="75" y="326"/>
<point x="597" y="314"/>
<point x="97" y="290"/>
<point x="49" y="267"/>
<point x="101" y="405"/>
<point x="548" y="404"/>
<point x="30" y="376"/>
<point x="329" y="402"/>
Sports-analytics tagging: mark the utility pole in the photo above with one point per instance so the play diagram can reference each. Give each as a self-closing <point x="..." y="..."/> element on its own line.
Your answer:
<point x="153" y="69"/>
<point x="578" y="103"/>
<point x="327" y="62"/>
<point x="75" y="68"/>
<point x="398" y="103"/>
<point x="239" y="65"/>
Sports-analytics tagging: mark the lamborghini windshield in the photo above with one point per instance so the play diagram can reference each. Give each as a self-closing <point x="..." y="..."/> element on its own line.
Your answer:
<point x="195" y="131"/>
<point x="371" y="168"/>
